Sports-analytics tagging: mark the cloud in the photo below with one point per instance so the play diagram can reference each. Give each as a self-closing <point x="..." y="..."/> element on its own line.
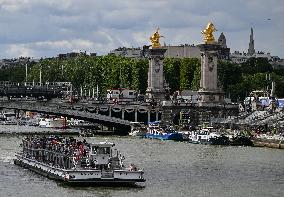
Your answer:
<point x="68" y="44"/>
<point x="20" y="50"/>
<point x="48" y="27"/>
<point x="31" y="49"/>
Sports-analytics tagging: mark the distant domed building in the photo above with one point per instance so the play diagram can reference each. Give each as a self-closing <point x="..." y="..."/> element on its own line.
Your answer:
<point x="222" y="41"/>
<point x="224" y="52"/>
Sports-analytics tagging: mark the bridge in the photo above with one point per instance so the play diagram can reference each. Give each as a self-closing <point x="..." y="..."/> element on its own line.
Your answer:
<point x="112" y="115"/>
<point x="120" y="115"/>
<point x="69" y="110"/>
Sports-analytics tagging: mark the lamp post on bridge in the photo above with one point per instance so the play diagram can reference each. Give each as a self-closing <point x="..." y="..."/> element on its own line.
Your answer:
<point x="40" y="75"/>
<point x="26" y="74"/>
<point x="62" y="72"/>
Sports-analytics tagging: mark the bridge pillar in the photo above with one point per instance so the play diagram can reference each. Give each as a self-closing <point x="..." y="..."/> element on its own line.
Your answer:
<point x="109" y="109"/>
<point x="122" y="113"/>
<point x="157" y="115"/>
<point x="17" y="112"/>
<point x="209" y="92"/>
<point x="136" y="115"/>
<point x="156" y="89"/>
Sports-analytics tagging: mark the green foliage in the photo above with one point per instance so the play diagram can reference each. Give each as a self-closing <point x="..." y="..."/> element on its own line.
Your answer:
<point x="279" y="81"/>
<point x="195" y="84"/>
<point x="84" y="71"/>
<point x="180" y="73"/>
<point x="114" y="72"/>
<point x="188" y="73"/>
<point x="247" y="84"/>
<point x="140" y="75"/>
<point x="15" y="74"/>
<point x="228" y="74"/>
<point x="256" y="65"/>
<point x="239" y="80"/>
<point x="172" y="73"/>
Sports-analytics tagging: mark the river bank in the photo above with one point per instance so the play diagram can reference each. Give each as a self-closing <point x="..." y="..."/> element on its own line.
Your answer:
<point x="269" y="143"/>
<point x="32" y="130"/>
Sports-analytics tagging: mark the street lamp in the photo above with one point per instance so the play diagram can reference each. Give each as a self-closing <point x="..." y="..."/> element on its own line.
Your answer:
<point x="40" y="74"/>
<point x="62" y="68"/>
<point x="26" y="72"/>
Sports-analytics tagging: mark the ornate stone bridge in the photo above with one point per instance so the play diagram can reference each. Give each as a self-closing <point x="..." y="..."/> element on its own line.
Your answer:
<point x="119" y="116"/>
<point x="107" y="114"/>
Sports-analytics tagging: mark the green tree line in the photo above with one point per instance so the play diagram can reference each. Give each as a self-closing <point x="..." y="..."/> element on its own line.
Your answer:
<point x="110" y="71"/>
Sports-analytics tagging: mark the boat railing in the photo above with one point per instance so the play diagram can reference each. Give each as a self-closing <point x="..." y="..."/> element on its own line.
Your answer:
<point x="107" y="174"/>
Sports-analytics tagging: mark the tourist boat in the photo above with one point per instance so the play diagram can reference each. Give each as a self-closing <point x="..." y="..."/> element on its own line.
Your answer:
<point x="156" y="131"/>
<point x="76" y="162"/>
<point x="138" y="129"/>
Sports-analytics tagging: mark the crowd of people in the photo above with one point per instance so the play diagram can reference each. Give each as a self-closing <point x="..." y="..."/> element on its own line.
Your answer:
<point x="55" y="150"/>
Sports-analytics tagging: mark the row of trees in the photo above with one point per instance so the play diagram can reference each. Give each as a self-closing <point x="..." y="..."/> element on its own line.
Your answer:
<point x="113" y="72"/>
<point x="239" y="80"/>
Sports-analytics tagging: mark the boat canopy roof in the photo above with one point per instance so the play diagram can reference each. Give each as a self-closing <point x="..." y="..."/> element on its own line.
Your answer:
<point x="103" y="144"/>
<point x="155" y="122"/>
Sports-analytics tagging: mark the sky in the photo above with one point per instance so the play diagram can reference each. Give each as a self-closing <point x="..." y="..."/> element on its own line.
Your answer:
<point x="45" y="28"/>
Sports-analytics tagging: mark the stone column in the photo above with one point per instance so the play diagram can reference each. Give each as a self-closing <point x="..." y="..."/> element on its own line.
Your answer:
<point x="135" y="115"/>
<point x="156" y="88"/>
<point x="149" y="115"/>
<point x="157" y="115"/>
<point x="122" y="113"/>
<point x="109" y="109"/>
<point x="209" y="92"/>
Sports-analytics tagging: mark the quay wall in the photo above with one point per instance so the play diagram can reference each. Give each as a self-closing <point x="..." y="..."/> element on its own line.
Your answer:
<point x="268" y="143"/>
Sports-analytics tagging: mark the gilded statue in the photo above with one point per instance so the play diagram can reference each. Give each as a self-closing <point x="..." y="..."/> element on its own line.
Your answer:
<point x="208" y="33"/>
<point x="155" y="39"/>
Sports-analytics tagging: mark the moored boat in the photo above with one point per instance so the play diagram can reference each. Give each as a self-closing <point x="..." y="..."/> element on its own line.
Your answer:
<point x="208" y="135"/>
<point x="241" y="141"/>
<point x="157" y="131"/>
<point x="77" y="162"/>
<point x="138" y="129"/>
<point x="219" y="140"/>
<point x="201" y="136"/>
<point x="52" y="123"/>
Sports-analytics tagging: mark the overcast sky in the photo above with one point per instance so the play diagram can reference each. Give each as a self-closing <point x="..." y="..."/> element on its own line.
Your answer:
<point x="45" y="28"/>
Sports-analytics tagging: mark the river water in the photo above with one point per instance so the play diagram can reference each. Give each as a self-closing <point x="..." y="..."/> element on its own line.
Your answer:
<point x="171" y="169"/>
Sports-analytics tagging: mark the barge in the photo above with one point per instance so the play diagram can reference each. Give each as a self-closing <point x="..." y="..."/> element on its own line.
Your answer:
<point x="77" y="162"/>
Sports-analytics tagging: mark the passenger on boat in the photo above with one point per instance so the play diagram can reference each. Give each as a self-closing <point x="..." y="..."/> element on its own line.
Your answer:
<point x="132" y="167"/>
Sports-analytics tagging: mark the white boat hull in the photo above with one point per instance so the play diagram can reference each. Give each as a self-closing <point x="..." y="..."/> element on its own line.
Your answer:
<point x="49" y="123"/>
<point x="84" y="176"/>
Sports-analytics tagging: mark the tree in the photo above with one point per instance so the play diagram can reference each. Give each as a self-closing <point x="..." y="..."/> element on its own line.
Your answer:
<point x="172" y="73"/>
<point x="195" y="84"/>
<point x="181" y="73"/>
<point x="255" y="65"/>
<point x="187" y="72"/>
<point x="228" y="74"/>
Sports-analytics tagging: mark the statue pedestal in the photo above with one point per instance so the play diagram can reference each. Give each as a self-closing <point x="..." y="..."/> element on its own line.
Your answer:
<point x="156" y="89"/>
<point x="209" y="93"/>
<point x="210" y="97"/>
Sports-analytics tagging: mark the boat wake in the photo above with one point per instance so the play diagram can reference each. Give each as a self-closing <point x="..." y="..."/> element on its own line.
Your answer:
<point x="7" y="159"/>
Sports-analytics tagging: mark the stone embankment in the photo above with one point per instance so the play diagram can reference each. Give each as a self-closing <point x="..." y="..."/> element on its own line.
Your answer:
<point x="270" y="143"/>
<point x="30" y="130"/>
